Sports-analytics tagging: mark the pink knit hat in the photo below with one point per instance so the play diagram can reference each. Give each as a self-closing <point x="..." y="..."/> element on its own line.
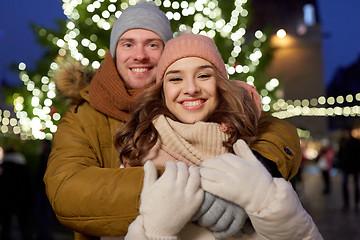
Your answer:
<point x="251" y="90"/>
<point x="192" y="45"/>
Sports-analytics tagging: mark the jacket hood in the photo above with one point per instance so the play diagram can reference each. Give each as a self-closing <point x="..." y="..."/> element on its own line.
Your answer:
<point x="71" y="78"/>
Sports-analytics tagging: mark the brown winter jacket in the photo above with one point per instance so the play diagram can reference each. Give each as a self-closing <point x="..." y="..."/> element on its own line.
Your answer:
<point x="88" y="191"/>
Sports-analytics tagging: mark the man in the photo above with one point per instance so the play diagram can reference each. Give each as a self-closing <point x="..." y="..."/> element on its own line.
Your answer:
<point x="88" y="191"/>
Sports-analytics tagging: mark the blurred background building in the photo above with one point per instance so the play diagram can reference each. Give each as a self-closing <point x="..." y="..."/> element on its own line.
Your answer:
<point x="297" y="54"/>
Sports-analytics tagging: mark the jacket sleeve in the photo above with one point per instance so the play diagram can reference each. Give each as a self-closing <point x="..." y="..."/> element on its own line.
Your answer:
<point x="85" y="196"/>
<point x="278" y="141"/>
<point x="283" y="217"/>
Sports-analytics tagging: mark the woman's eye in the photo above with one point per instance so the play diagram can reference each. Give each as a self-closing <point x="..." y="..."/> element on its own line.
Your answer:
<point x="204" y="75"/>
<point x="175" y="79"/>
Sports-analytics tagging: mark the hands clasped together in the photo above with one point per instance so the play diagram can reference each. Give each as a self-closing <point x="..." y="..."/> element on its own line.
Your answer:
<point x="209" y="196"/>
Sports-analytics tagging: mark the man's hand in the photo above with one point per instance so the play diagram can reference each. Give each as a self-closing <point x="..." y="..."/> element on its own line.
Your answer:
<point x="223" y="218"/>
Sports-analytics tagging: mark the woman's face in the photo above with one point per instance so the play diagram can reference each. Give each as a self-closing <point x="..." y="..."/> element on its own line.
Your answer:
<point x="190" y="89"/>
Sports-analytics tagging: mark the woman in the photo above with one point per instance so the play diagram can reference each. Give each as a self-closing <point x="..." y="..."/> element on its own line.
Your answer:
<point x="209" y="97"/>
<point x="195" y="113"/>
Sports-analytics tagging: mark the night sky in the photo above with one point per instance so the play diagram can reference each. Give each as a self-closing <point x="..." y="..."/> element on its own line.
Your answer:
<point x="341" y="28"/>
<point x="340" y="22"/>
<point x="17" y="40"/>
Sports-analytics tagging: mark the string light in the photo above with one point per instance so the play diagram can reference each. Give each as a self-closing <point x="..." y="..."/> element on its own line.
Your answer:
<point x="21" y="124"/>
<point x="318" y="107"/>
<point x="208" y="21"/>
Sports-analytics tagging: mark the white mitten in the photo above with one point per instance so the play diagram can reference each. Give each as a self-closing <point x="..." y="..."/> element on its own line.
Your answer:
<point x="169" y="202"/>
<point x="136" y="230"/>
<point x="241" y="179"/>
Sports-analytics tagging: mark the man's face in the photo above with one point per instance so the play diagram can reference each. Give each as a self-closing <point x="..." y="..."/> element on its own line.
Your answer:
<point x="137" y="54"/>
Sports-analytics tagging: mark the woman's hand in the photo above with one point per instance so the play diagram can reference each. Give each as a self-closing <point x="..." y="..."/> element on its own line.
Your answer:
<point x="169" y="202"/>
<point x="241" y="179"/>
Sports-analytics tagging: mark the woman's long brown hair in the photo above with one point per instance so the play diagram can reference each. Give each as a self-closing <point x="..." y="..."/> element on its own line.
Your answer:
<point x="236" y="109"/>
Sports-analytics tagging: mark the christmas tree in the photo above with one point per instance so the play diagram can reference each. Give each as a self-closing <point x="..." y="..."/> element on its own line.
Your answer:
<point x="85" y="37"/>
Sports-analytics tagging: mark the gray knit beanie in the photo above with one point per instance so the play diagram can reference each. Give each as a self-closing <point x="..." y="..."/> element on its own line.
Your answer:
<point x="144" y="15"/>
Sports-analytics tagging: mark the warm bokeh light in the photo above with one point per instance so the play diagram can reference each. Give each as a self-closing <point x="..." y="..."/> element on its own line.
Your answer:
<point x="281" y="33"/>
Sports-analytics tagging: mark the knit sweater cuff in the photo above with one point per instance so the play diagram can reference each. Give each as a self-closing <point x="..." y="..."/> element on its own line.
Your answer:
<point x="158" y="237"/>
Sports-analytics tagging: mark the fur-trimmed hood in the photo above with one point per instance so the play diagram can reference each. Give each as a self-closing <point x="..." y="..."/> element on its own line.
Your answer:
<point x="71" y="78"/>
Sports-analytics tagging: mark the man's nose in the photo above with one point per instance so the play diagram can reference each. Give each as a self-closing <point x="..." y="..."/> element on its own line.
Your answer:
<point x="141" y="54"/>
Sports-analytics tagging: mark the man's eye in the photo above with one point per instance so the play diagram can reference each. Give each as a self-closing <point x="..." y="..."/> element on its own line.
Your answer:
<point x="153" y="45"/>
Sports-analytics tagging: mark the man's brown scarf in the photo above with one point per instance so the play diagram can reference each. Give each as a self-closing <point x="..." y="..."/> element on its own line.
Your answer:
<point x="108" y="94"/>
